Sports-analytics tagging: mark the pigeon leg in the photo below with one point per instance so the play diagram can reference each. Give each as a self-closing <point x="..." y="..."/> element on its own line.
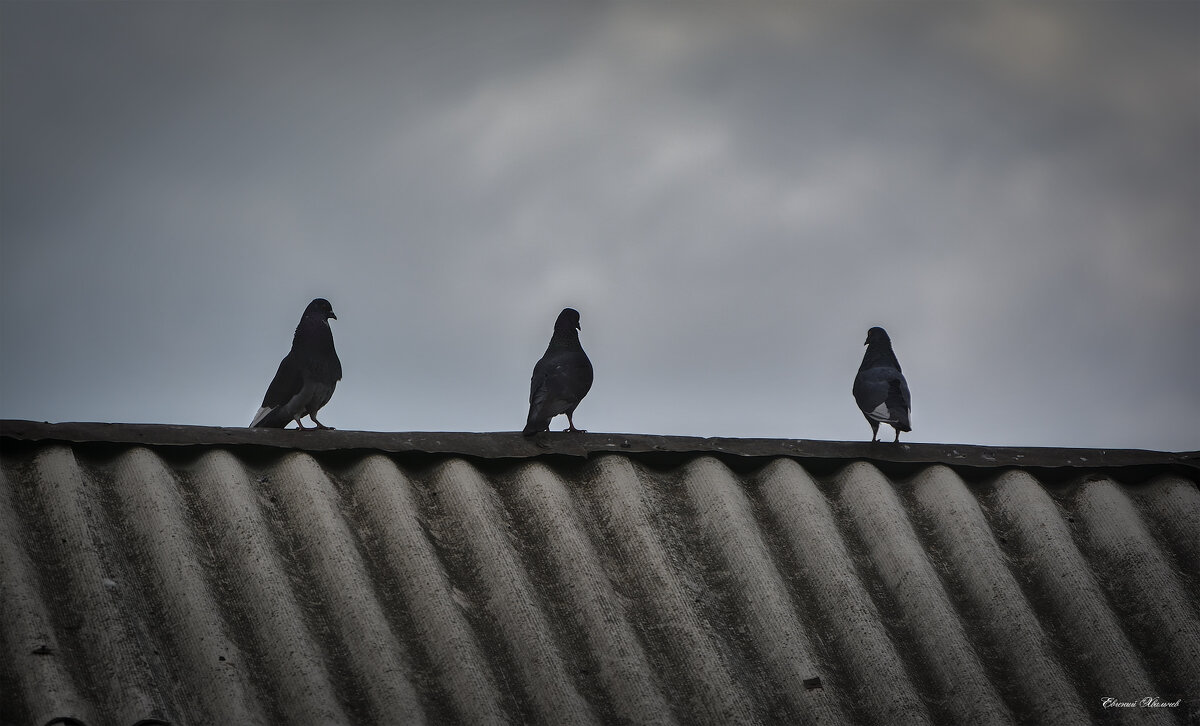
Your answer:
<point x="897" y="439"/>
<point x="571" y="427"/>
<point x="299" y="424"/>
<point x="874" y="430"/>
<point x="319" y="424"/>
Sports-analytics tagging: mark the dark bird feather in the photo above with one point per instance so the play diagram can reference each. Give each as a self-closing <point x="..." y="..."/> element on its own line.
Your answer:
<point x="880" y="388"/>
<point x="307" y="375"/>
<point x="561" y="378"/>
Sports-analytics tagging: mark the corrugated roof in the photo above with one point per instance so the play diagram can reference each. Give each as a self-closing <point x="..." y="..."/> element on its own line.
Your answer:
<point x="192" y="575"/>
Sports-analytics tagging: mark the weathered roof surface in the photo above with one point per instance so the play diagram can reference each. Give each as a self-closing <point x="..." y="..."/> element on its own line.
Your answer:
<point x="229" y="576"/>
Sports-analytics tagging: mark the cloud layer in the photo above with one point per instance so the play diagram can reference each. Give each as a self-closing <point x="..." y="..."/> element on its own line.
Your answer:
<point x="730" y="199"/>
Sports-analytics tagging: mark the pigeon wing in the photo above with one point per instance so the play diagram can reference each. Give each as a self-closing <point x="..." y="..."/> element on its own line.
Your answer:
<point x="559" y="383"/>
<point x="288" y="382"/>
<point x="898" y="402"/>
<point x="882" y="395"/>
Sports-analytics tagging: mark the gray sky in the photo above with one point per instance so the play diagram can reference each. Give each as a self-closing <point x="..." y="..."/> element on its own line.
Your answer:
<point x="730" y="197"/>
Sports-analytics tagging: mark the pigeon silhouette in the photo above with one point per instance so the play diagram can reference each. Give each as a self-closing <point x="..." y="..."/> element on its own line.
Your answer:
<point x="880" y="388"/>
<point x="307" y="375"/>
<point x="561" y="378"/>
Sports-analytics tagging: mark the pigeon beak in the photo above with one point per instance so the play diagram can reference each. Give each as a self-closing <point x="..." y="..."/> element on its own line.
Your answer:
<point x="332" y="315"/>
<point x="578" y="326"/>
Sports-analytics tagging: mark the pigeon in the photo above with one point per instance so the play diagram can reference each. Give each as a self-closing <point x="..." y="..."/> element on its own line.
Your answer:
<point x="561" y="378"/>
<point x="880" y="388"/>
<point x="307" y="375"/>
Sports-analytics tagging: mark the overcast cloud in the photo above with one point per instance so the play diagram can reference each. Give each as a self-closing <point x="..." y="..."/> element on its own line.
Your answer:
<point x="730" y="197"/>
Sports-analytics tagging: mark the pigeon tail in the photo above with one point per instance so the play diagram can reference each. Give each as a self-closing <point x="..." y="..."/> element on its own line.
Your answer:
<point x="535" y="427"/>
<point x="260" y="415"/>
<point x="275" y="418"/>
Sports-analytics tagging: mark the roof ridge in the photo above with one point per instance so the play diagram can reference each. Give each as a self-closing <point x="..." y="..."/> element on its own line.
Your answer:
<point x="511" y="445"/>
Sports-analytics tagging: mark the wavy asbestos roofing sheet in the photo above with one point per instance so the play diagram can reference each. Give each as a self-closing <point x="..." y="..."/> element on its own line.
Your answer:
<point x="214" y="576"/>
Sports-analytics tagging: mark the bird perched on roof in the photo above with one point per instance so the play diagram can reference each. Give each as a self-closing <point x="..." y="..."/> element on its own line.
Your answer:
<point x="307" y="375"/>
<point x="880" y="388"/>
<point x="561" y="378"/>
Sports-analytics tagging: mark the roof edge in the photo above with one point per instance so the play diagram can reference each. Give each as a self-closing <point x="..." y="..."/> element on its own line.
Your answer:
<point x="512" y="445"/>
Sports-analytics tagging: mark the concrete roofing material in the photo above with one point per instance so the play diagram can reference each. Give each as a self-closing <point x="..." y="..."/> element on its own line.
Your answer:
<point x="188" y="575"/>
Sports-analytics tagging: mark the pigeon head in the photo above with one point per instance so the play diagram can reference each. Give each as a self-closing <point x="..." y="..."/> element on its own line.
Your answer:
<point x="320" y="309"/>
<point x="568" y="320"/>
<point x="877" y="335"/>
